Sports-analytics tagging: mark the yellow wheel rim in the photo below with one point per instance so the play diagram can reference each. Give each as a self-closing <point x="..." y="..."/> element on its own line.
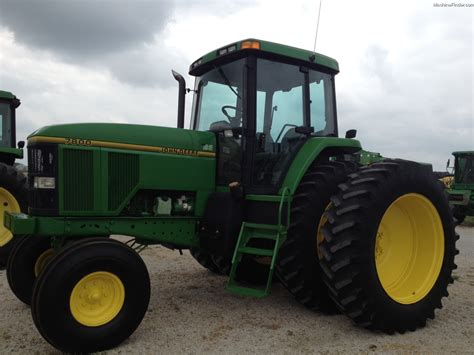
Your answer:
<point x="8" y="203"/>
<point x="43" y="260"/>
<point x="319" y="236"/>
<point x="97" y="299"/>
<point x="409" y="248"/>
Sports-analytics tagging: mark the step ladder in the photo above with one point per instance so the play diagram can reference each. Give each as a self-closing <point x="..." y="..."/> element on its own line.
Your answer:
<point x="252" y="231"/>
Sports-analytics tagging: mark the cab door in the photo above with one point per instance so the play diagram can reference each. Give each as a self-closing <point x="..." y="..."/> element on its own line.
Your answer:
<point x="281" y="96"/>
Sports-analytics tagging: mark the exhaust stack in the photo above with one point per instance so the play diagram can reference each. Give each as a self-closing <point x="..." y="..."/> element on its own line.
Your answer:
<point x="181" y="93"/>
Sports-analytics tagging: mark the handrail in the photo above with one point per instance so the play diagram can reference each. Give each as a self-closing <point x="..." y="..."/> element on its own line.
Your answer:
<point x="280" y="208"/>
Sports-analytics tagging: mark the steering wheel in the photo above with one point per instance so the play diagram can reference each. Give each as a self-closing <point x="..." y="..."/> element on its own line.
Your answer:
<point x="226" y="114"/>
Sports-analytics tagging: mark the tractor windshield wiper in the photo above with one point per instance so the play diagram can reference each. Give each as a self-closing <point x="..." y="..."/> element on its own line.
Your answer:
<point x="227" y="82"/>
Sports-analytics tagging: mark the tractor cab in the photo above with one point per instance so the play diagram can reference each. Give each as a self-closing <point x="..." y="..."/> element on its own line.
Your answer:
<point x="263" y="101"/>
<point x="464" y="168"/>
<point x="461" y="191"/>
<point x="8" y="151"/>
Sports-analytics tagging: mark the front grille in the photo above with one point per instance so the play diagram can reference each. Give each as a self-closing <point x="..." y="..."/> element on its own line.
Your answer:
<point x="42" y="161"/>
<point x="78" y="180"/>
<point x="123" y="177"/>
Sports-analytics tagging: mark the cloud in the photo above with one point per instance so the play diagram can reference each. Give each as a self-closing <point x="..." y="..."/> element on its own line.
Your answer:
<point x="118" y="36"/>
<point x="407" y="87"/>
<point x="87" y="28"/>
<point x="147" y="65"/>
<point x="406" y="80"/>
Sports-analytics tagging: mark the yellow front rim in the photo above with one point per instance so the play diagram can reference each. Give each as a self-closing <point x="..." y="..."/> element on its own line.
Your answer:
<point x="42" y="260"/>
<point x="409" y="248"/>
<point x="319" y="236"/>
<point x="8" y="203"/>
<point x="97" y="299"/>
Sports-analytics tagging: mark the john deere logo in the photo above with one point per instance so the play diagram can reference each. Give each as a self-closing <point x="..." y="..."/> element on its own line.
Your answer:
<point x="179" y="151"/>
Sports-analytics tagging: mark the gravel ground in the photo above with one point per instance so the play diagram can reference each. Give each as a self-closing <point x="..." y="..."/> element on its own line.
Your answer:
<point x="190" y="312"/>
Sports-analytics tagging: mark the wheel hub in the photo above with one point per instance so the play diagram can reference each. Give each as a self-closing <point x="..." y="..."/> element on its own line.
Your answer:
<point x="43" y="260"/>
<point x="97" y="299"/>
<point x="409" y="248"/>
<point x="8" y="203"/>
<point x="319" y="236"/>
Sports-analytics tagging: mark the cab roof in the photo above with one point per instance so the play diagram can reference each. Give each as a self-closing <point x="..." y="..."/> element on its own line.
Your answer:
<point x="464" y="152"/>
<point x="7" y="95"/>
<point x="264" y="48"/>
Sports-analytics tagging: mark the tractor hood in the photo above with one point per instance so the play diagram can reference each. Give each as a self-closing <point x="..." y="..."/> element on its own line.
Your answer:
<point x="128" y="136"/>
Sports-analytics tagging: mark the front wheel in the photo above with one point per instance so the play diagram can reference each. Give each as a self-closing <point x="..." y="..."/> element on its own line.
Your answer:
<point x="91" y="296"/>
<point x="389" y="246"/>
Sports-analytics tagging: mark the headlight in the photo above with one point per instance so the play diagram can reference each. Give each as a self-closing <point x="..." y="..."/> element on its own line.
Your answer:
<point x="41" y="182"/>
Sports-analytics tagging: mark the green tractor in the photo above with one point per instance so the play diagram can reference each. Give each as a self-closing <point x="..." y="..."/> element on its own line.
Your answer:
<point x="13" y="187"/>
<point x="461" y="188"/>
<point x="257" y="186"/>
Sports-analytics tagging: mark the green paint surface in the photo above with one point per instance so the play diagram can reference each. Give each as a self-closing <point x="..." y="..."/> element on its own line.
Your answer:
<point x="18" y="153"/>
<point x="7" y="95"/>
<point x="310" y="151"/>
<point x="175" y="231"/>
<point x="152" y="136"/>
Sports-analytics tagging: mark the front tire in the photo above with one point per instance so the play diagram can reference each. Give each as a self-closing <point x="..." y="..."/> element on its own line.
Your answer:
<point x="91" y="296"/>
<point x="389" y="246"/>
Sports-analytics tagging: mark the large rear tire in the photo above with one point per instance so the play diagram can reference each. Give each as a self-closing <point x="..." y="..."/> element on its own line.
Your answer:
<point x="91" y="296"/>
<point x="459" y="214"/>
<point x="298" y="262"/>
<point x="389" y="246"/>
<point x="13" y="198"/>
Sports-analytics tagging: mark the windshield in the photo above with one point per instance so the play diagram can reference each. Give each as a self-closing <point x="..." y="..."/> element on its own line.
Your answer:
<point x="218" y="98"/>
<point x="464" y="168"/>
<point x="5" y="125"/>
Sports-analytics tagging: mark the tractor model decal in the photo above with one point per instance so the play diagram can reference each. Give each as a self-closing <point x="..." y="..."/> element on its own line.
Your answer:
<point x="104" y="144"/>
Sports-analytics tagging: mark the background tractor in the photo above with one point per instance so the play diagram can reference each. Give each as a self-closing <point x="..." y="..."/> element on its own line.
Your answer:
<point x="13" y="188"/>
<point x="258" y="185"/>
<point x="461" y="187"/>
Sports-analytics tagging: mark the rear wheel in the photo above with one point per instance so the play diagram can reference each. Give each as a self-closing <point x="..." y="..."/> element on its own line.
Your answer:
<point x="13" y="198"/>
<point x="26" y="261"/>
<point x="389" y="245"/>
<point x="298" y="263"/>
<point x="91" y="296"/>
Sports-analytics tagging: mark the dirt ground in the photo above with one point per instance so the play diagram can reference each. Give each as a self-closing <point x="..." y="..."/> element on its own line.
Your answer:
<point x="190" y="312"/>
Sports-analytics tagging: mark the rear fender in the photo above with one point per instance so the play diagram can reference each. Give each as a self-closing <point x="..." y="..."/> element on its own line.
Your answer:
<point x="314" y="148"/>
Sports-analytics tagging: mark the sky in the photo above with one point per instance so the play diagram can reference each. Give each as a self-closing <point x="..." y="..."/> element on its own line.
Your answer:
<point x="406" y="67"/>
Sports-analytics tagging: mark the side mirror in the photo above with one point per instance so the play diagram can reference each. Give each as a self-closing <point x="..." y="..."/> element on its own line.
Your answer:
<point x="21" y="144"/>
<point x="447" y="163"/>
<point x="352" y="133"/>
